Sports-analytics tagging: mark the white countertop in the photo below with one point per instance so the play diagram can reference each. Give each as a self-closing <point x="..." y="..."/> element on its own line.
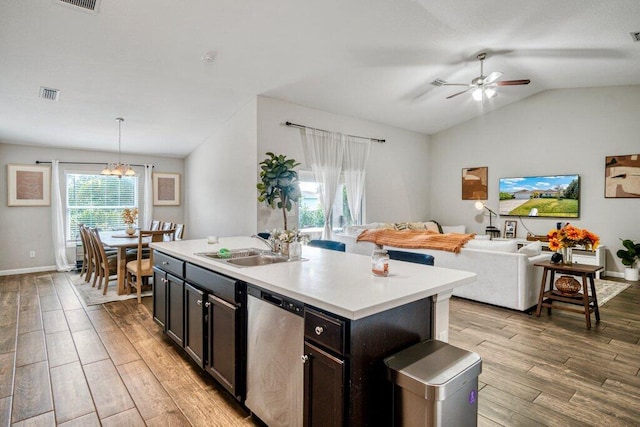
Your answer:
<point x="338" y="282"/>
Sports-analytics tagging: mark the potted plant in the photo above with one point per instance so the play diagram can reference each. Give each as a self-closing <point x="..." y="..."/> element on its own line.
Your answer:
<point x="629" y="256"/>
<point x="279" y="186"/>
<point x="129" y="217"/>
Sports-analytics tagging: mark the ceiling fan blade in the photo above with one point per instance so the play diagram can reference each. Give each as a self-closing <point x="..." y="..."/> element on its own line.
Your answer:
<point x="492" y="77"/>
<point x="513" y="82"/>
<point x="455" y="84"/>
<point x="459" y="93"/>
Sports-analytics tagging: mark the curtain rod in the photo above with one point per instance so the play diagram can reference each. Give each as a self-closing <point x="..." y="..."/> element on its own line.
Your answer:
<point x="382" y="141"/>
<point x="85" y="163"/>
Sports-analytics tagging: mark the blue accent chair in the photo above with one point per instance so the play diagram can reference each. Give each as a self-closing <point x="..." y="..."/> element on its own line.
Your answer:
<point x="418" y="258"/>
<point x="328" y="244"/>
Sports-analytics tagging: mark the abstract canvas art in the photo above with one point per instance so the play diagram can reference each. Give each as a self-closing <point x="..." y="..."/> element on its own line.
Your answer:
<point x="622" y="176"/>
<point x="28" y="185"/>
<point x="474" y="183"/>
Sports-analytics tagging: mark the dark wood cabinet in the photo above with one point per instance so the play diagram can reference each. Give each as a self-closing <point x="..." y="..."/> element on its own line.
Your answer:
<point x="175" y="309"/>
<point x="324" y="383"/>
<point x="225" y="332"/>
<point x="194" y="323"/>
<point x="160" y="297"/>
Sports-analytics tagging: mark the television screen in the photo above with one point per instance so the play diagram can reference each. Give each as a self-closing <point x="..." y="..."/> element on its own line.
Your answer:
<point x="555" y="196"/>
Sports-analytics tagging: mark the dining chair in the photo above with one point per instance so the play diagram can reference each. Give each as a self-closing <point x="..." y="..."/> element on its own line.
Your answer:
<point x="85" y="261"/>
<point x="155" y="225"/>
<point x="328" y="244"/>
<point x="105" y="264"/>
<point x="414" y="257"/>
<point x="139" y="270"/>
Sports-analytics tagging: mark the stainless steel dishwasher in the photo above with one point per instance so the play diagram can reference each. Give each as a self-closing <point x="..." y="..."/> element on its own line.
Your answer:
<point x="275" y="343"/>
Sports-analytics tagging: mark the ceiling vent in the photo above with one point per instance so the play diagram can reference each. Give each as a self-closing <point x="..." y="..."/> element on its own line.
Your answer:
<point x="635" y="36"/>
<point x="48" y="93"/>
<point x="90" y="6"/>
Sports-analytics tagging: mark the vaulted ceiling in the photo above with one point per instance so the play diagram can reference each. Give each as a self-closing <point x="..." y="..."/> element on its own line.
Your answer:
<point x="371" y="59"/>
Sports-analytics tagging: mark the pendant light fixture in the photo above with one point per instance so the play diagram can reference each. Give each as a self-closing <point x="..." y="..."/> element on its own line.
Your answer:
<point x="118" y="169"/>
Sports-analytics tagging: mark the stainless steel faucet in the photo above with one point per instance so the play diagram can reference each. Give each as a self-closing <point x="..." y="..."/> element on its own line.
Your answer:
<point x="269" y="243"/>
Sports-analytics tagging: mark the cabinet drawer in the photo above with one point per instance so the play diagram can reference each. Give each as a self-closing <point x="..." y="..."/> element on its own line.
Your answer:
<point x="169" y="263"/>
<point x="221" y="286"/>
<point x="324" y="330"/>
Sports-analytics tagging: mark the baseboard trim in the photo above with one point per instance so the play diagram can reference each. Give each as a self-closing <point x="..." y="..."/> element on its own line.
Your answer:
<point x="614" y="274"/>
<point x="27" y="270"/>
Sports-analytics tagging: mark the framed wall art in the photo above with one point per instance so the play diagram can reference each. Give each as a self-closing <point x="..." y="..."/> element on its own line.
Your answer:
<point x="510" y="227"/>
<point x="622" y="176"/>
<point x="28" y="185"/>
<point x="474" y="183"/>
<point x="166" y="189"/>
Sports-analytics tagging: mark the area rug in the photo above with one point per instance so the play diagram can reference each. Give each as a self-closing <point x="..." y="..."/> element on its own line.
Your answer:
<point x="607" y="289"/>
<point x="94" y="296"/>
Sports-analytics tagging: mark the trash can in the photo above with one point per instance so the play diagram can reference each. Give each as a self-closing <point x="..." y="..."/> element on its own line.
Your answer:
<point x="434" y="384"/>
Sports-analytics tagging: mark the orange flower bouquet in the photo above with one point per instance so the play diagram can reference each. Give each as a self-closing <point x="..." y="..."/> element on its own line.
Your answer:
<point x="130" y="216"/>
<point x="570" y="236"/>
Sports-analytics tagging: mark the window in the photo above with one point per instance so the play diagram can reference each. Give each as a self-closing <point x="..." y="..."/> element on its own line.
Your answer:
<point x="310" y="215"/>
<point x="98" y="201"/>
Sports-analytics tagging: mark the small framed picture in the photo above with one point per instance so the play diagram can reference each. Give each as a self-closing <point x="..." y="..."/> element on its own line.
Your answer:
<point x="28" y="185"/>
<point x="166" y="189"/>
<point x="510" y="227"/>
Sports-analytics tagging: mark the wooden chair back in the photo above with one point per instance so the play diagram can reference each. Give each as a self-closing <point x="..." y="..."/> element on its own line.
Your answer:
<point x="179" y="231"/>
<point x="155" y="225"/>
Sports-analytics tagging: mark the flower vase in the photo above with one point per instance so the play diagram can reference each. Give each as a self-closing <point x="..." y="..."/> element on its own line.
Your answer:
<point x="130" y="231"/>
<point x="295" y="251"/>
<point x="567" y="256"/>
<point x="284" y="248"/>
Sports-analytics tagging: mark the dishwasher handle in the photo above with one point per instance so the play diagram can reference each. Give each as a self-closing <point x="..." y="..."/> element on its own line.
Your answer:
<point x="273" y="299"/>
<point x="284" y="303"/>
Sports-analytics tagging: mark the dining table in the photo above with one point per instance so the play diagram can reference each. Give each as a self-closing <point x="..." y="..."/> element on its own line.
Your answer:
<point x="121" y="241"/>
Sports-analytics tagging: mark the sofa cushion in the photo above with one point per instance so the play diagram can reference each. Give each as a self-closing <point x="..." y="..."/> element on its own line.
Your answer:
<point x="493" y="245"/>
<point x="461" y="229"/>
<point x="531" y="249"/>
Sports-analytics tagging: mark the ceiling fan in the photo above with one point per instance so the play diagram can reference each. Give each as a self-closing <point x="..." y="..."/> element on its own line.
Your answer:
<point x="482" y="86"/>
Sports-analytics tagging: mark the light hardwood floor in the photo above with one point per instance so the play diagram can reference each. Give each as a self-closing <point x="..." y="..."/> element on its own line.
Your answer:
<point x="68" y="364"/>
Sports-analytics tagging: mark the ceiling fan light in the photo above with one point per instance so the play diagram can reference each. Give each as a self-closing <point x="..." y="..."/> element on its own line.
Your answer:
<point x="489" y="92"/>
<point x="477" y="94"/>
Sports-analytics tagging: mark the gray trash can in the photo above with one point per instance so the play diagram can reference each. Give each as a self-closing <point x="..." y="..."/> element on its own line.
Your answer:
<point x="434" y="384"/>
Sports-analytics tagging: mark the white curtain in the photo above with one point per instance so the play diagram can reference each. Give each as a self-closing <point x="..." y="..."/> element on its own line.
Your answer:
<point x="147" y="198"/>
<point x="57" y="221"/>
<point x="356" y="154"/>
<point x="323" y="151"/>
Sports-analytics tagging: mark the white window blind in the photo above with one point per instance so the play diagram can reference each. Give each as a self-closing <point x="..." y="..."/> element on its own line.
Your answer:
<point x="98" y="201"/>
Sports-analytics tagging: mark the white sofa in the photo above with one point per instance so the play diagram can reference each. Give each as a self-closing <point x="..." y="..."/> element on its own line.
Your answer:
<point x="506" y="276"/>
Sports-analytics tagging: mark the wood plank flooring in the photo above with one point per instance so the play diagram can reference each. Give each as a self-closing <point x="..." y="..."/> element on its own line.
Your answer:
<point x="62" y="363"/>
<point x="551" y="370"/>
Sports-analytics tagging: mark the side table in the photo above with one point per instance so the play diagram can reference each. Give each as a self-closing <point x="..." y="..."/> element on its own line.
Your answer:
<point x="589" y="303"/>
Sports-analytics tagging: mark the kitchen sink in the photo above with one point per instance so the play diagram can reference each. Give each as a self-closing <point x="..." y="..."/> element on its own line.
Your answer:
<point x="232" y="254"/>
<point x="262" y="259"/>
<point x="246" y="257"/>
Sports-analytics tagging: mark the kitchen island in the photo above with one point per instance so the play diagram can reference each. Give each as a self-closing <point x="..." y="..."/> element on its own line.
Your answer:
<point x="352" y="320"/>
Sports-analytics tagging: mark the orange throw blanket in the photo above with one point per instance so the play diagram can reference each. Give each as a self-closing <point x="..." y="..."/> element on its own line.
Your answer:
<point x="424" y="239"/>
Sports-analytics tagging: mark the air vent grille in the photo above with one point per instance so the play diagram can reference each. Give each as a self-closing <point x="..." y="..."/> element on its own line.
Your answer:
<point x="49" y="94"/>
<point x="635" y="36"/>
<point x="85" y="5"/>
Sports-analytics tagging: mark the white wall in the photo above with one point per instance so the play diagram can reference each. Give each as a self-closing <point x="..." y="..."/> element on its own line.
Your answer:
<point x="397" y="184"/>
<point x="554" y="132"/>
<point x="25" y="229"/>
<point x="221" y="180"/>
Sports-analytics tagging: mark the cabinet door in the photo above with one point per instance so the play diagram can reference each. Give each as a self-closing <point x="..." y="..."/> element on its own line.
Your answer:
<point x="175" y="309"/>
<point x="160" y="297"/>
<point x="224" y="330"/>
<point x="324" y="377"/>
<point x="194" y="323"/>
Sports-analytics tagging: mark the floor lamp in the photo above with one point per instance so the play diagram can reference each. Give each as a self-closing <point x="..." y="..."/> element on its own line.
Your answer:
<point x="490" y="230"/>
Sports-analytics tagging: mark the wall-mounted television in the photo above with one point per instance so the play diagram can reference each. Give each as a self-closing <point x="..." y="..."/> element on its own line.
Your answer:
<point x="555" y="196"/>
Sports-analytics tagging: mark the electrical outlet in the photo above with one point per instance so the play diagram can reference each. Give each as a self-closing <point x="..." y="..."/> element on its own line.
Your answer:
<point x="32" y="254"/>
